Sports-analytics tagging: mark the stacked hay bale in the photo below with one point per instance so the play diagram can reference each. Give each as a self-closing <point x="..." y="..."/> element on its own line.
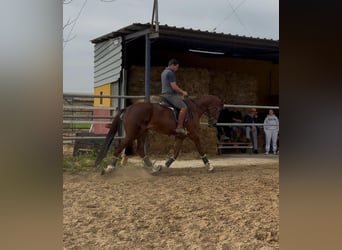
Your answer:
<point x="234" y="88"/>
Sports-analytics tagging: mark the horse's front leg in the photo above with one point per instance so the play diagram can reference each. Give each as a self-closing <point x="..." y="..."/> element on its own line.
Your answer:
<point x="178" y="145"/>
<point x="197" y="142"/>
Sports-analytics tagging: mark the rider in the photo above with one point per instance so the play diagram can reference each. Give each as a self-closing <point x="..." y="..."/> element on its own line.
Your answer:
<point x="170" y="90"/>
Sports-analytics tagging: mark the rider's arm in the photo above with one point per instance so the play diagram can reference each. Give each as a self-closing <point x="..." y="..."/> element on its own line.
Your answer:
<point x="175" y="87"/>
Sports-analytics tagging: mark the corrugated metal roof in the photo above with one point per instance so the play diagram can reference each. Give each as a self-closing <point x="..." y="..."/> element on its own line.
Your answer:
<point x="184" y="38"/>
<point x="164" y="28"/>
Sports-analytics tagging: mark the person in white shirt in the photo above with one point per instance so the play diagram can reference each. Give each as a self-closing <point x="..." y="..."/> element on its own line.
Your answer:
<point x="271" y="128"/>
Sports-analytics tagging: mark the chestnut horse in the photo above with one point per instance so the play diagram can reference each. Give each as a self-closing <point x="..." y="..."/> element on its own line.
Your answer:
<point x="140" y="117"/>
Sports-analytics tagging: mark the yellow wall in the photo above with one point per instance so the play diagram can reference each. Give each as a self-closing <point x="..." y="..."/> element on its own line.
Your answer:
<point x="106" y="90"/>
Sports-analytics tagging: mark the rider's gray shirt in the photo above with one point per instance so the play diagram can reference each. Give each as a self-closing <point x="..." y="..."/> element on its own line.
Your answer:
<point x="167" y="77"/>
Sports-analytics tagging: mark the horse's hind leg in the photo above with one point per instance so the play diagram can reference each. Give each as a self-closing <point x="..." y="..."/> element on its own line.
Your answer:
<point x="141" y="150"/>
<point x="124" y="159"/>
<point x="142" y="153"/>
<point x="126" y="151"/>
<point x="116" y="153"/>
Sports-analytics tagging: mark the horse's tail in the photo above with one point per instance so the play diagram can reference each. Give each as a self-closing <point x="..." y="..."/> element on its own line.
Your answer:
<point x="109" y="138"/>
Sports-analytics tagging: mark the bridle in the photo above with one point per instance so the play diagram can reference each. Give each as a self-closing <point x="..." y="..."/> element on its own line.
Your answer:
<point x="210" y="112"/>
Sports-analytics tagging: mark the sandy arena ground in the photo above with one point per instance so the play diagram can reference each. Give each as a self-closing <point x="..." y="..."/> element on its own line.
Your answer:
<point x="184" y="207"/>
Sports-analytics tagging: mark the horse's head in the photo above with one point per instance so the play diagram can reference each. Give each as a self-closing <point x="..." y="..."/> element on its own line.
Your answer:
<point x="213" y="109"/>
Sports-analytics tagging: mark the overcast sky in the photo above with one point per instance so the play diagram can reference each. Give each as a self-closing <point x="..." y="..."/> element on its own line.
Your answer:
<point x="93" y="18"/>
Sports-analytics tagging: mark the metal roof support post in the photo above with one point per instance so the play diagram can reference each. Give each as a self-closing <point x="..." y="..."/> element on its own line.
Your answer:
<point x="155" y="16"/>
<point x="147" y="67"/>
<point x="147" y="85"/>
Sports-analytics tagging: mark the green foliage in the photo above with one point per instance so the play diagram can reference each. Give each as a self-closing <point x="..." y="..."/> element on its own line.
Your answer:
<point x="82" y="162"/>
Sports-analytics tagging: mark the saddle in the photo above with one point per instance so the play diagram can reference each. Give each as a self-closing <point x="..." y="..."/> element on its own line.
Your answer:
<point x="163" y="102"/>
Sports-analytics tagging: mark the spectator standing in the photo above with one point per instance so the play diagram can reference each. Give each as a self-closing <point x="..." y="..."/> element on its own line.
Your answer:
<point x="251" y="130"/>
<point x="236" y="130"/>
<point x="224" y="132"/>
<point x="271" y="128"/>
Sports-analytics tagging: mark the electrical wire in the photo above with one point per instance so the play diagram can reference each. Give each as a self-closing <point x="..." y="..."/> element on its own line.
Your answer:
<point x="230" y="15"/>
<point x="238" y="18"/>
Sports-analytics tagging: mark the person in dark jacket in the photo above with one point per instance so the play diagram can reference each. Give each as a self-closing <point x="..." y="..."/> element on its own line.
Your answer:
<point x="224" y="132"/>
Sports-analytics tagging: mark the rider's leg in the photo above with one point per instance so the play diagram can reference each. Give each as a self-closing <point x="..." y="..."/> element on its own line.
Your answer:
<point x="181" y="119"/>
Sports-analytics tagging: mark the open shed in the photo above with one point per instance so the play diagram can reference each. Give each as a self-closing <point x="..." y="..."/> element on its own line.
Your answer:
<point x="238" y="69"/>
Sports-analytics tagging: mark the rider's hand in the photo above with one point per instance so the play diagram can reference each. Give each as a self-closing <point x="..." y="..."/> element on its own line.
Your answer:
<point x="185" y="93"/>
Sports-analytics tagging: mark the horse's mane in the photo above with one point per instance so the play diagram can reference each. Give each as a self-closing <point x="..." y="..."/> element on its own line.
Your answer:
<point x="191" y="102"/>
<point x="196" y="99"/>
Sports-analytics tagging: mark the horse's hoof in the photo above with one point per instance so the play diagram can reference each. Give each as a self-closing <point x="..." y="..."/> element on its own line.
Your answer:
<point x="109" y="169"/>
<point x="209" y="168"/>
<point x="156" y="169"/>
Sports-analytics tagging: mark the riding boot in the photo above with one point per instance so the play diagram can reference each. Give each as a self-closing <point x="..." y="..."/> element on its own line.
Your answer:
<point x="180" y="129"/>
